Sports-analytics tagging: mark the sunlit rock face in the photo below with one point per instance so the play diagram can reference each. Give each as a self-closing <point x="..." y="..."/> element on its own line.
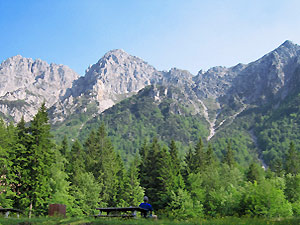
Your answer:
<point x="215" y="94"/>
<point x="26" y="83"/>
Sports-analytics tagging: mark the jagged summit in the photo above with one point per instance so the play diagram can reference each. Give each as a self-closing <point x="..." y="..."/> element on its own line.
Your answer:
<point x="288" y="44"/>
<point x="14" y="59"/>
<point x="114" y="77"/>
<point x="115" y="52"/>
<point x="31" y="82"/>
<point x="115" y="55"/>
<point x="19" y="59"/>
<point x="119" y="57"/>
<point x="115" y="58"/>
<point x="286" y="50"/>
<point x="117" y="75"/>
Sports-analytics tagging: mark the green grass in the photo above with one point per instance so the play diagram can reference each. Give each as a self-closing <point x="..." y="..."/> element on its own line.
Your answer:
<point x="106" y="221"/>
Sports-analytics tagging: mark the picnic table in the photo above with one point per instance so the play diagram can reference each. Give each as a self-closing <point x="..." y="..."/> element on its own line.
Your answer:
<point x="7" y="211"/>
<point x="124" y="212"/>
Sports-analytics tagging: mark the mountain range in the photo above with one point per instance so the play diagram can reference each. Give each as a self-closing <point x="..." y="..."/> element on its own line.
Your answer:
<point x="242" y="103"/>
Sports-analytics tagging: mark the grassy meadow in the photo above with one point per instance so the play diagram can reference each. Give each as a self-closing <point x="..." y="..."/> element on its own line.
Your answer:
<point x="106" y="221"/>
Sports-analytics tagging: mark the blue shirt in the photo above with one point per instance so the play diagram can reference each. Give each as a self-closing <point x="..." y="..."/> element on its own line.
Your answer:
<point x="146" y="205"/>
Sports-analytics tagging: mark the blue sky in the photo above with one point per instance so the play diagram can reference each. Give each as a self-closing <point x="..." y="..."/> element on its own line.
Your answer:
<point x="187" y="34"/>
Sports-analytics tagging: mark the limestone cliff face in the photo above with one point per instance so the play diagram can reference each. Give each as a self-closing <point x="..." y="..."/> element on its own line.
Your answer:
<point x="114" y="77"/>
<point x="216" y="94"/>
<point x="25" y="83"/>
<point x="253" y="82"/>
<point x="268" y="80"/>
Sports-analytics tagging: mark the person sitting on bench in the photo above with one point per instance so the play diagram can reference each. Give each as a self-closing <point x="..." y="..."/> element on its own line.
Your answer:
<point x="148" y="207"/>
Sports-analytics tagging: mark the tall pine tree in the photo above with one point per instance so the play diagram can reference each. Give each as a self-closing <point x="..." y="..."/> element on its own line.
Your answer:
<point x="292" y="164"/>
<point x="229" y="156"/>
<point x="35" y="188"/>
<point x="105" y="164"/>
<point x="199" y="157"/>
<point x="155" y="176"/>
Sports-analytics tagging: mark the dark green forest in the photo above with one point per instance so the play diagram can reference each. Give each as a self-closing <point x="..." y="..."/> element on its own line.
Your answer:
<point x="204" y="181"/>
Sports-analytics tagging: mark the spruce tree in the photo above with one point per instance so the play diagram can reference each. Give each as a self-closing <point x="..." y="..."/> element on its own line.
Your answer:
<point x="133" y="192"/>
<point x="60" y="186"/>
<point x="255" y="173"/>
<point x="21" y="162"/>
<point x="292" y="164"/>
<point x="175" y="177"/>
<point x="64" y="149"/>
<point x="156" y="174"/>
<point x="35" y="186"/>
<point x="76" y="161"/>
<point x="277" y="166"/>
<point x="210" y="159"/>
<point x="6" y="178"/>
<point x="229" y="156"/>
<point x="103" y="162"/>
<point x="199" y="157"/>
<point x="189" y="163"/>
<point x="175" y="161"/>
<point x="86" y="191"/>
<point x="143" y="152"/>
<point x="93" y="153"/>
<point x="4" y="153"/>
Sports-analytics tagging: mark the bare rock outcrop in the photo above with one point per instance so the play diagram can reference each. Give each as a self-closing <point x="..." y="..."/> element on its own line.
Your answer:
<point x="26" y="83"/>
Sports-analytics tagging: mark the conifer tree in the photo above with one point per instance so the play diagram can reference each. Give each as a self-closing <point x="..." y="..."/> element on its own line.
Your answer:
<point x="86" y="191"/>
<point x="210" y="159"/>
<point x="121" y="184"/>
<point x="35" y="177"/>
<point x="277" y="166"/>
<point x="156" y="177"/>
<point x="4" y="153"/>
<point x="103" y="162"/>
<point x="175" y="177"/>
<point x="229" y="156"/>
<point x="292" y="189"/>
<point x="21" y="161"/>
<point x="292" y="164"/>
<point x="64" y="149"/>
<point x="199" y="157"/>
<point x="143" y="152"/>
<point x="255" y="173"/>
<point x="189" y="163"/>
<point x="151" y="171"/>
<point x="76" y="161"/>
<point x="93" y="153"/>
<point x="174" y="158"/>
<point x="60" y="186"/>
<point x="133" y="192"/>
<point x="6" y="194"/>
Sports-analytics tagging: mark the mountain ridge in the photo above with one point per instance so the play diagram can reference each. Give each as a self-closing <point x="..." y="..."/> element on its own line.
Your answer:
<point x="32" y="82"/>
<point x="218" y="97"/>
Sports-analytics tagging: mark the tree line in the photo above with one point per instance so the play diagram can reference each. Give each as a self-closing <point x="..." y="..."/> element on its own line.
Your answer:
<point x="34" y="172"/>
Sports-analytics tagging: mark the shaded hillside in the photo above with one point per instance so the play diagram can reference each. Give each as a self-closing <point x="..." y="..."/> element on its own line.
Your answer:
<point x="158" y="111"/>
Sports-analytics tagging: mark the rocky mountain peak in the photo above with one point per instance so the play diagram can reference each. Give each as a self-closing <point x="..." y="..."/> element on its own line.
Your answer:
<point x="117" y="63"/>
<point x="288" y="44"/>
<point x="15" y="60"/>
<point x="31" y="82"/>
<point x="117" y="53"/>
<point x="284" y="52"/>
<point x="114" y="77"/>
<point x="181" y="78"/>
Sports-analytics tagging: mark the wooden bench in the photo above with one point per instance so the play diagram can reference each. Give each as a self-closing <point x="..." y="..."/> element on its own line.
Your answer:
<point x="7" y="211"/>
<point x="124" y="212"/>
